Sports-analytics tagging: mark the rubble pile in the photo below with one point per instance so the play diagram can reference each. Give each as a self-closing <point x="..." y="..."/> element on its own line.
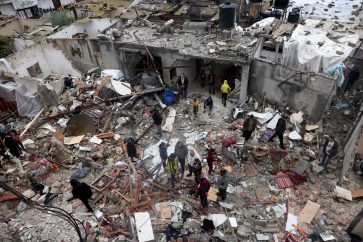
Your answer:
<point x="272" y="192"/>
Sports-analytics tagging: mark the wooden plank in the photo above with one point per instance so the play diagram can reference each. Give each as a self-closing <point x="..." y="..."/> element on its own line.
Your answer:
<point x="165" y="210"/>
<point x="357" y="193"/>
<point x="308" y="213"/>
<point x="123" y="196"/>
<point x="29" y="125"/>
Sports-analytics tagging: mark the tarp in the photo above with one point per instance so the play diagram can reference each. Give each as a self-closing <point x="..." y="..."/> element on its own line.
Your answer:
<point x="27" y="101"/>
<point x="310" y="49"/>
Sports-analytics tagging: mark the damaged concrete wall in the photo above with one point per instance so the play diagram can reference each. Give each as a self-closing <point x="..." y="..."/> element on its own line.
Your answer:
<point x="49" y="59"/>
<point x="20" y="25"/>
<point x="79" y="51"/>
<point x="313" y="97"/>
<point x="110" y="56"/>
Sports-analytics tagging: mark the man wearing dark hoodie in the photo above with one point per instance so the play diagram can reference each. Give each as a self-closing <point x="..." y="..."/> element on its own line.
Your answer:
<point x="181" y="152"/>
<point x="279" y="131"/>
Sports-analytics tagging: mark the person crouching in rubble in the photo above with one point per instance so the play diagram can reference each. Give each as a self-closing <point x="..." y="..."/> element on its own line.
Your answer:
<point x="131" y="149"/>
<point x="203" y="189"/>
<point x="13" y="150"/>
<point x="68" y="82"/>
<point x="81" y="191"/>
<point x="181" y="152"/>
<point x="208" y="103"/>
<point x="249" y="126"/>
<point x="222" y="184"/>
<point x="330" y="150"/>
<point x="279" y="131"/>
<point x="172" y="167"/>
<point x="158" y="120"/>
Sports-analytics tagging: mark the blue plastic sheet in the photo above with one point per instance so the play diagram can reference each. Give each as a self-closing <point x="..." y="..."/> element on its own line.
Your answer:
<point x="331" y="71"/>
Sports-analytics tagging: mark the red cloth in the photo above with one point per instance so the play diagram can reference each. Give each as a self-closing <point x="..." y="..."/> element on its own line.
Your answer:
<point x="203" y="188"/>
<point x="229" y="141"/>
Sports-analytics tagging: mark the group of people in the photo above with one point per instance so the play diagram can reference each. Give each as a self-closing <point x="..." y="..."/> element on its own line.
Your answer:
<point x="175" y="164"/>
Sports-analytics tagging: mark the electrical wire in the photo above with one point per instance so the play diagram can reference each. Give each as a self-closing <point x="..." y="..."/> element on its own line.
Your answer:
<point x="52" y="211"/>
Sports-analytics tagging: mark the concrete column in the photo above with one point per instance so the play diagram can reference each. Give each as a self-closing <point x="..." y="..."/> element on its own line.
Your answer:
<point x="244" y="82"/>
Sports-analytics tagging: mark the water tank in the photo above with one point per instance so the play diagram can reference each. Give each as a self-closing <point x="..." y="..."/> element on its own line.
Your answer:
<point x="281" y="4"/>
<point x="227" y="15"/>
<point x="294" y="16"/>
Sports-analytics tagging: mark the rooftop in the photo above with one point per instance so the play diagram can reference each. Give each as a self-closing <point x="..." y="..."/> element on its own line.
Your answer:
<point x="91" y="27"/>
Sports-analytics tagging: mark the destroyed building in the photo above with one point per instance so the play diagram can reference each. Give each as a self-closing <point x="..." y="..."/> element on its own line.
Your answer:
<point x="83" y="98"/>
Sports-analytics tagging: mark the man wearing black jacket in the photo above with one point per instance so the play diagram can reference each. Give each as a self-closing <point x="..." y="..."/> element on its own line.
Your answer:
<point x="330" y="150"/>
<point x="158" y="120"/>
<point x="279" y="131"/>
<point x="81" y="191"/>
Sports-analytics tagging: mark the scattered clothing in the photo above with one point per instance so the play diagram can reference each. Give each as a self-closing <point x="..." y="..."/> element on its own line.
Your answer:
<point x="80" y="173"/>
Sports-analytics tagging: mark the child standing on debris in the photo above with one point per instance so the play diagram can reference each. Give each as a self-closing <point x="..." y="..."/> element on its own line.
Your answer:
<point x="172" y="167"/>
<point x="197" y="170"/>
<point x="196" y="104"/>
<point x="81" y="191"/>
<point x="208" y="103"/>
<point x="222" y="184"/>
<point x="158" y="120"/>
<point x="210" y="159"/>
<point x="330" y="150"/>
<point x="203" y="189"/>
<point x="163" y="151"/>
<point x="225" y="89"/>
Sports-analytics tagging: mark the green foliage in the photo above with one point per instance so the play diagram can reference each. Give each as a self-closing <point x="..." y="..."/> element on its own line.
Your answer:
<point x="6" y="46"/>
<point x="59" y="19"/>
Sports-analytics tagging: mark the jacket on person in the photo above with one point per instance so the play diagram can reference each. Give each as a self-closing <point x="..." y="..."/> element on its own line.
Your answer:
<point x="212" y="79"/>
<point x="158" y="120"/>
<point x="172" y="165"/>
<point x="12" y="146"/>
<point x="203" y="187"/>
<point x="81" y="190"/>
<point x="222" y="182"/>
<point x="280" y="126"/>
<point x="197" y="169"/>
<point x="249" y="124"/>
<point x="191" y="159"/>
<point x="180" y="84"/>
<point x="181" y="150"/>
<point x="225" y="88"/>
<point x="163" y="151"/>
<point x="208" y="102"/>
<point x="210" y="156"/>
<point x="334" y="150"/>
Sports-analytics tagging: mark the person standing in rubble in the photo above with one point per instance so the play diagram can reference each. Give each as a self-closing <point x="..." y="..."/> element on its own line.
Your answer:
<point x="15" y="136"/>
<point x="208" y="103"/>
<point x="279" y="131"/>
<point x="203" y="78"/>
<point x="172" y="167"/>
<point x="203" y="189"/>
<point x="13" y="150"/>
<point x="81" y="191"/>
<point x="181" y="152"/>
<point x="210" y="159"/>
<point x="353" y="76"/>
<point x="158" y="120"/>
<point x="183" y="85"/>
<point x="191" y="157"/>
<point x="249" y="126"/>
<point x="196" y="104"/>
<point x="131" y="149"/>
<point x="211" y="82"/>
<point x="197" y="170"/>
<point x="222" y="184"/>
<point x="330" y="150"/>
<point x="163" y="151"/>
<point x="225" y="89"/>
<point x="68" y="82"/>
